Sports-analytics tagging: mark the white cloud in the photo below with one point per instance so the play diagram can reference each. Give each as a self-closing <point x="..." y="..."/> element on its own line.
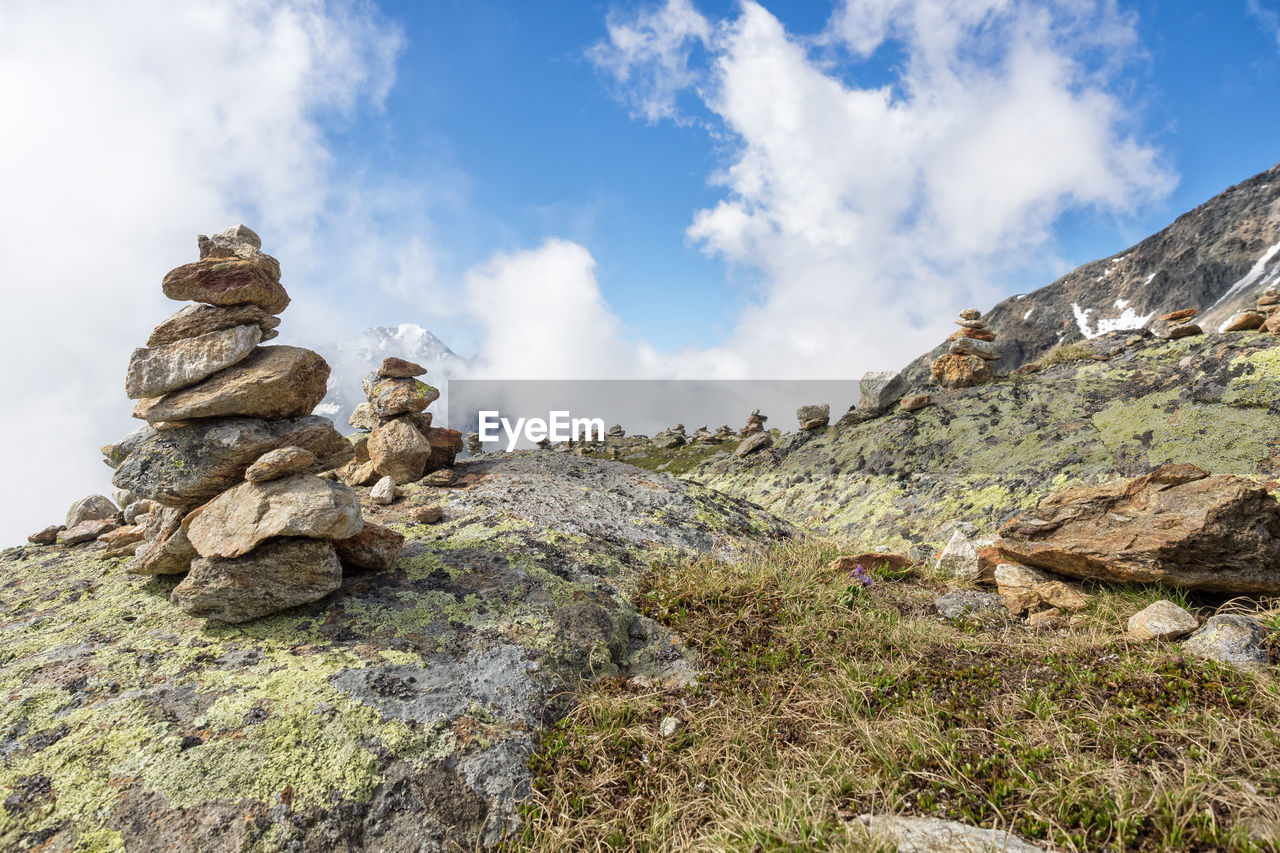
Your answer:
<point x="122" y="141"/>
<point x="648" y="54"/>
<point x="874" y="213"/>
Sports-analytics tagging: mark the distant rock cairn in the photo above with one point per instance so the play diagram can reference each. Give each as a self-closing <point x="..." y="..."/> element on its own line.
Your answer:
<point x="971" y="354"/>
<point x="230" y="453"/>
<point x="395" y="437"/>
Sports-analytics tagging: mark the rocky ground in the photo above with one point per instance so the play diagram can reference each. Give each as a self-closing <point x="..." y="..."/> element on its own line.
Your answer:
<point x="396" y="714"/>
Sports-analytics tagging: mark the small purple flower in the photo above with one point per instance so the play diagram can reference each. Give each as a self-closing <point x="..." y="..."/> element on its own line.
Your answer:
<point x="860" y="575"/>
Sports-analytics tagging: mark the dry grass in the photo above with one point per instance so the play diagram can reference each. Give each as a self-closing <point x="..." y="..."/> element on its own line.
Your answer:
<point x="1066" y="354"/>
<point x="822" y="703"/>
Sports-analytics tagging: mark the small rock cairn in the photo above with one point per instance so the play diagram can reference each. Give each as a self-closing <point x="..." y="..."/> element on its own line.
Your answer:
<point x="394" y="435"/>
<point x="1265" y="315"/>
<point x="1180" y="324"/>
<point x="755" y="423"/>
<point x="969" y="359"/>
<point x="814" y="416"/>
<point x="230" y="453"/>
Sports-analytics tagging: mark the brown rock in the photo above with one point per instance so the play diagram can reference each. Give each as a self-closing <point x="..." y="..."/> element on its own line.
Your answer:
<point x="429" y="514"/>
<point x="123" y="541"/>
<point x="1186" y="330"/>
<point x="280" y="574"/>
<point x="914" y="402"/>
<point x="443" y="478"/>
<point x="399" y="451"/>
<point x="1244" y="321"/>
<point x="363" y="417"/>
<point x="1273" y="323"/>
<point x="1047" y="620"/>
<point x="196" y="320"/>
<point x="960" y="371"/>
<point x="398" y="368"/>
<point x="753" y="443"/>
<point x="975" y="334"/>
<point x="166" y="550"/>
<point x="1024" y="588"/>
<point x="273" y="383"/>
<point x="283" y="462"/>
<point x="1176" y="526"/>
<point x="1179" y="316"/>
<point x="988" y="559"/>
<point x="1027" y="369"/>
<point x="391" y="397"/>
<point x="375" y="548"/>
<point x="970" y="314"/>
<point x="870" y="561"/>
<point x="236" y="521"/>
<point x="229" y="281"/>
<point x="87" y="531"/>
<point x="47" y="536"/>
<point x="446" y="444"/>
<point x="422" y="420"/>
<point x="159" y="370"/>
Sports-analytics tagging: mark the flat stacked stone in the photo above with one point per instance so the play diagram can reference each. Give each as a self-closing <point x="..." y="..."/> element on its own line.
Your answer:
<point x="396" y="438"/>
<point x="1268" y="306"/>
<point x="970" y="356"/>
<point x="228" y="461"/>
<point x="1180" y="324"/>
<point x="814" y="416"/>
<point x="702" y="435"/>
<point x="670" y="438"/>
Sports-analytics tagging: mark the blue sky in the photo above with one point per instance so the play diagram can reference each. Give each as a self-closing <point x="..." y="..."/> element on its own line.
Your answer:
<point x="504" y="96"/>
<point x="664" y="189"/>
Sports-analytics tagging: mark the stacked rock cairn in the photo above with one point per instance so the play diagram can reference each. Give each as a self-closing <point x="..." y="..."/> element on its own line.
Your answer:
<point x="395" y="438"/>
<point x="755" y="423"/>
<point x="230" y="453"/>
<point x="1265" y="315"/>
<point x="1181" y="324"/>
<point x="970" y="356"/>
<point x="813" y="416"/>
<point x="671" y="437"/>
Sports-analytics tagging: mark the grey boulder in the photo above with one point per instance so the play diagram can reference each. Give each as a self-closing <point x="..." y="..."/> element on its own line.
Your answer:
<point x="282" y="573"/>
<point x="154" y="371"/>
<point x="239" y="519"/>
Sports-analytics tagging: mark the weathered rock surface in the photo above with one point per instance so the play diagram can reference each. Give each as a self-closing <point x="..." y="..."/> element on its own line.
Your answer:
<point x="960" y="370"/>
<point x="445" y="443"/>
<point x="1243" y="321"/>
<point x="363" y="417"/>
<point x="390" y="397"/>
<point x="281" y="463"/>
<point x="934" y="835"/>
<point x="1176" y="526"/>
<point x="229" y="281"/>
<point x="283" y="573"/>
<point x="959" y="559"/>
<point x="87" y="530"/>
<point x="750" y="445"/>
<point x="375" y="548"/>
<point x="972" y="605"/>
<point x="89" y="508"/>
<point x="1162" y="620"/>
<point x="399" y="711"/>
<point x="429" y="514"/>
<point x="47" y="536"/>
<point x="166" y="549"/>
<point x="984" y="454"/>
<point x="880" y="389"/>
<point x="158" y="370"/>
<point x="195" y="320"/>
<point x="1230" y="638"/>
<point x="399" y="368"/>
<point x="186" y="466"/>
<point x="303" y="505"/>
<point x="273" y="382"/>
<point x="399" y="451"/>
<point x="384" y="491"/>
<point x="814" y="417"/>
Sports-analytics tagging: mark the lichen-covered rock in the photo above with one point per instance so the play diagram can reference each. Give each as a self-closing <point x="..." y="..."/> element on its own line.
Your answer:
<point x="186" y="466"/>
<point x="810" y="417"/>
<point x="1230" y="638"/>
<point x="195" y="320"/>
<point x="1176" y="526"/>
<point x="165" y="550"/>
<point x="960" y="370"/>
<point x="934" y="835"/>
<point x="282" y="573"/>
<point x="985" y="454"/>
<point x="393" y="396"/>
<point x="303" y="505"/>
<point x="272" y="382"/>
<point x="154" y="371"/>
<point x="750" y="445"/>
<point x="398" y="712"/>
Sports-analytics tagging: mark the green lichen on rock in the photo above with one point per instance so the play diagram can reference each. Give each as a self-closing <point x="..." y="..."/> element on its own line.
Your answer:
<point x="401" y="708"/>
<point x="982" y="454"/>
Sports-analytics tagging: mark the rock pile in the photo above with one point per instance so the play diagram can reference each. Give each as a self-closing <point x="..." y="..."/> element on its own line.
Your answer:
<point x="669" y="438"/>
<point x="1180" y="325"/>
<point x="230" y="453"/>
<point x="969" y="359"/>
<point x="395" y="437"/>
<point x="755" y="423"/>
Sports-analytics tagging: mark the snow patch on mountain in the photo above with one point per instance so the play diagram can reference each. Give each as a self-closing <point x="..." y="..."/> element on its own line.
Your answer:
<point x="1128" y="319"/>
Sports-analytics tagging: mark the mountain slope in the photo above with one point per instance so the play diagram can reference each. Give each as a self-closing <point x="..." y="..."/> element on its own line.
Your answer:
<point x="1218" y="257"/>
